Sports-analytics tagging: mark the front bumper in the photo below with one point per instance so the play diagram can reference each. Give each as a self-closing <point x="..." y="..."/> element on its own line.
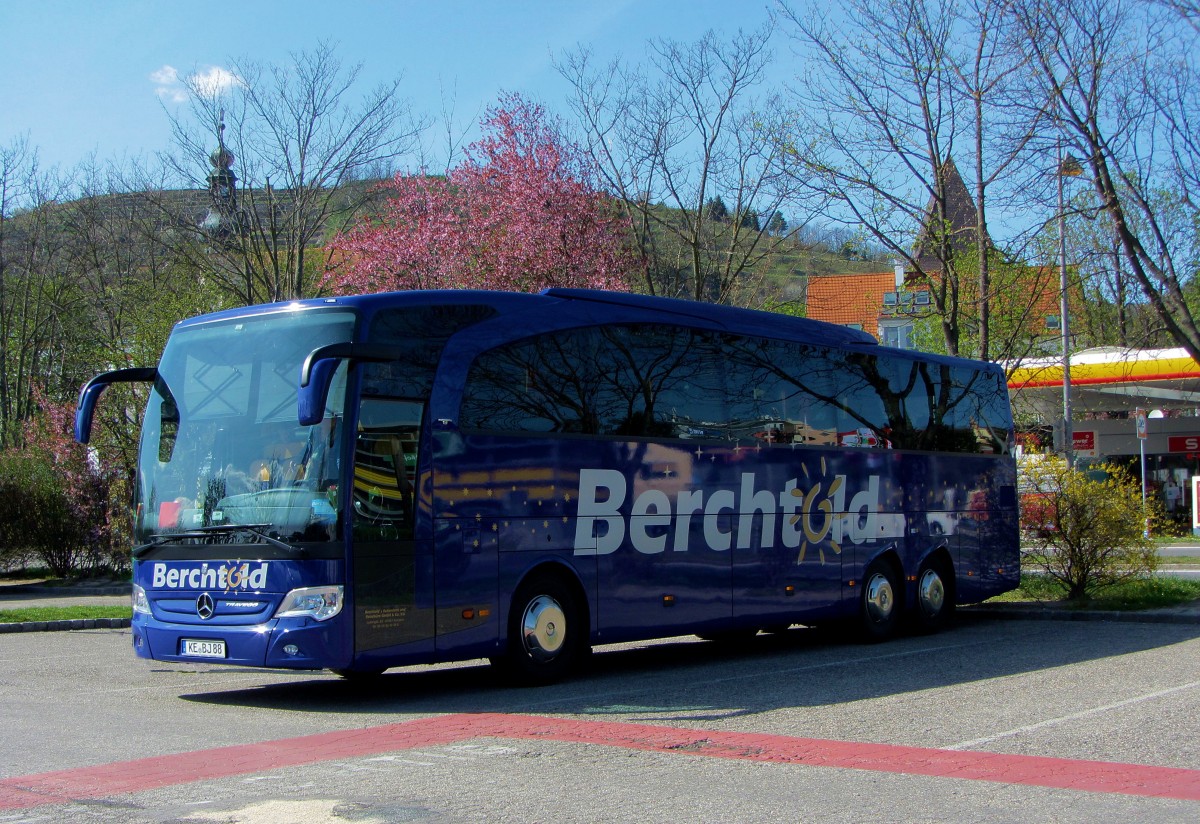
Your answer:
<point x="288" y="643"/>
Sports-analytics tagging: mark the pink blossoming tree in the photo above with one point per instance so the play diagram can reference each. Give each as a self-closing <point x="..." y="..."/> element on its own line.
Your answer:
<point x="521" y="213"/>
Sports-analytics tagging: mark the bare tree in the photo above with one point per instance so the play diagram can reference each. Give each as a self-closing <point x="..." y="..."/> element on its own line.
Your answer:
<point x="131" y="285"/>
<point x="877" y="127"/>
<point x="295" y="137"/>
<point x="884" y="110"/>
<point x="691" y="126"/>
<point x="1121" y="81"/>
<point x="1189" y="10"/>
<point x="986" y="68"/>
<point x="35" y="285"/>
<point x="1111" y="310"/>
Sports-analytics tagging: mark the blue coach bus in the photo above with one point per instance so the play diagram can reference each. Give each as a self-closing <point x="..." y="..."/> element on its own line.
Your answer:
<point x="365" y="482"/>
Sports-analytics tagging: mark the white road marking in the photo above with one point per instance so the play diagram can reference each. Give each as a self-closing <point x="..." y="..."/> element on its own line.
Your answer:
<point x="1050" y="722"/>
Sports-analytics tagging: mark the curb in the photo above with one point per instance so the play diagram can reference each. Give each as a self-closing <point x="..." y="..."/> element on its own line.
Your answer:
<point x="1036" y="614"/>
<point x="67" y="624"/>
<point x="63" y="626"/>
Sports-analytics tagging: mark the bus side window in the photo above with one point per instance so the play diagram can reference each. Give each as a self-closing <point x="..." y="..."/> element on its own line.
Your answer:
<point x="385" y="465"/>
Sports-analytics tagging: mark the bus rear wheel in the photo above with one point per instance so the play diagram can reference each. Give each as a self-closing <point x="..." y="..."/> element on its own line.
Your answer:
<point x="935" y="596"/>
<point x="546" y="632"/>
<point x="879" y="607"/>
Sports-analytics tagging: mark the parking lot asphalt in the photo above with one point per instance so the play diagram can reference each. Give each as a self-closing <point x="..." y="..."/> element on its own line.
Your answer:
<point x="992" y="720"/>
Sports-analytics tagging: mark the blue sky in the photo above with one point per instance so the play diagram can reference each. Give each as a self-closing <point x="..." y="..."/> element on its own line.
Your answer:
<point x="85" y="77"/>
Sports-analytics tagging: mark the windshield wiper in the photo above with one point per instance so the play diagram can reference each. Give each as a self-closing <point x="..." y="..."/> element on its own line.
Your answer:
<point x="155" y="541"/>
<point x="254" y="529"/>
<point x="216" y="529"/>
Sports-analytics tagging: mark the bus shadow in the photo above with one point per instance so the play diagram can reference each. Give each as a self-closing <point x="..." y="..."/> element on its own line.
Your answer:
<point x="689" y="679"/>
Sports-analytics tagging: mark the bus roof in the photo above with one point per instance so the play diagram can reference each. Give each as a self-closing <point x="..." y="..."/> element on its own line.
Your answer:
<point x="731" y="317"/>
<point x="537" y="312"/>
<point x="506" y="303"/>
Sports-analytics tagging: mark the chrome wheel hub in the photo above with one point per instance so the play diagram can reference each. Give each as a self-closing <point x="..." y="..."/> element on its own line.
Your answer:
<point x="932" y="592"/>
<point x="543" y="628"/>
<point x="880" y="598"/>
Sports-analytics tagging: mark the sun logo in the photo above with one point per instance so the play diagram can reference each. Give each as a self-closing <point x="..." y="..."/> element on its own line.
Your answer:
<point x="236" y="576"/>
<point x="816" y="513"/>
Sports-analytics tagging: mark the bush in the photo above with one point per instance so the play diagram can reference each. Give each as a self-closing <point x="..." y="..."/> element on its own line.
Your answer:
<point x="33" y="513"/>
<point x="57" y="505"/>
<point x="1088" y="529"/>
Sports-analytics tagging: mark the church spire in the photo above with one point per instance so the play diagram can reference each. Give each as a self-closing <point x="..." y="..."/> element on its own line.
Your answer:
<point x="223" y="218"/>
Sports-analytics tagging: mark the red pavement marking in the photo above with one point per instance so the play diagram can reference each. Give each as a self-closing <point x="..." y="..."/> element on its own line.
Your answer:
<point x="102" y="781"/>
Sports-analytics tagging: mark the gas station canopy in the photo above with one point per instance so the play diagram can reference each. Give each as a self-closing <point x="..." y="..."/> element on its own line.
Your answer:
<point x="1108" y="379"/>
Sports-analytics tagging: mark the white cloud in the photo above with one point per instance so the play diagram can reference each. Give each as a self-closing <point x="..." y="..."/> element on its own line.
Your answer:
<point x="165" y="76"/>
<point x="167" y="84"/>
<point x="211" y="81"/>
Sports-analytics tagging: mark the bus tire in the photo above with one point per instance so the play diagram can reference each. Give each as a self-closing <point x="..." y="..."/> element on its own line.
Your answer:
<point x="879" y="605"/>
<point x="935" y="596"/>
<point x="546" y="632"/>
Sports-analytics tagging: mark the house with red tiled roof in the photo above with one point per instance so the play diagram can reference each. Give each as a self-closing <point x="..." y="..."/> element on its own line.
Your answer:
<point x="850" y="300"/>
<point x="878" y="303"/>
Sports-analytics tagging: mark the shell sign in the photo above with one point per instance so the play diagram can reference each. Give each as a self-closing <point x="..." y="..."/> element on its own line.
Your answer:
<point x="1084" y="443"/>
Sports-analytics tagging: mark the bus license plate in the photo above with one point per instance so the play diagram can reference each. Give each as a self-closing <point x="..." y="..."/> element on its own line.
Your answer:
<point x="204" y="649"/>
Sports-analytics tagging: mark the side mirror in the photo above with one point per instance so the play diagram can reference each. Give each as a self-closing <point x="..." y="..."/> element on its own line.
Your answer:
<point x="90" y="394"/>
<point x="316" y="374"/>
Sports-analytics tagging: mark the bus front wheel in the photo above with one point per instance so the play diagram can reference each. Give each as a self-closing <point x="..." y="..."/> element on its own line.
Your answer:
<point x="546" y="632"/>
<point x="879" y="608"/>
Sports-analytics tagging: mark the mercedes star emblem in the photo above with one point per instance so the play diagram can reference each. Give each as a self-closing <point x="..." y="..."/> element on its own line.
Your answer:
<point x="205" y="606"/>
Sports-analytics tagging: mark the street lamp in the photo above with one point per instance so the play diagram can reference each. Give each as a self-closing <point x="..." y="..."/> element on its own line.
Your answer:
<point x="1068" y="166"/>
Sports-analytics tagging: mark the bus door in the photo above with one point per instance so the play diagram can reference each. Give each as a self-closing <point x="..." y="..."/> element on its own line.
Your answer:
<point x="392" y="572"/>
<point x="468" y="528"/>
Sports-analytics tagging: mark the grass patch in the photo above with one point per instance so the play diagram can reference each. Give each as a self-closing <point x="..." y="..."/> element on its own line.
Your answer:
<point x="45" y="577"/>
<point x="1177" y="540"/>
<point x="16" y="616"/>
<point x="25" y="574"/>
<point x="1178" y="560"/>
<point x="1139" y="593"/>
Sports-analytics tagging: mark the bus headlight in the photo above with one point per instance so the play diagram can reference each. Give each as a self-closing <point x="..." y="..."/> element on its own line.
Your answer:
<point x="140" y="602"/>
<point x="318" y="603"/>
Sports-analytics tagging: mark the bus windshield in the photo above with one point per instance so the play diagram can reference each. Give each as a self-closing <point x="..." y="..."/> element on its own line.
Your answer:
<point x="221" y="446"/>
